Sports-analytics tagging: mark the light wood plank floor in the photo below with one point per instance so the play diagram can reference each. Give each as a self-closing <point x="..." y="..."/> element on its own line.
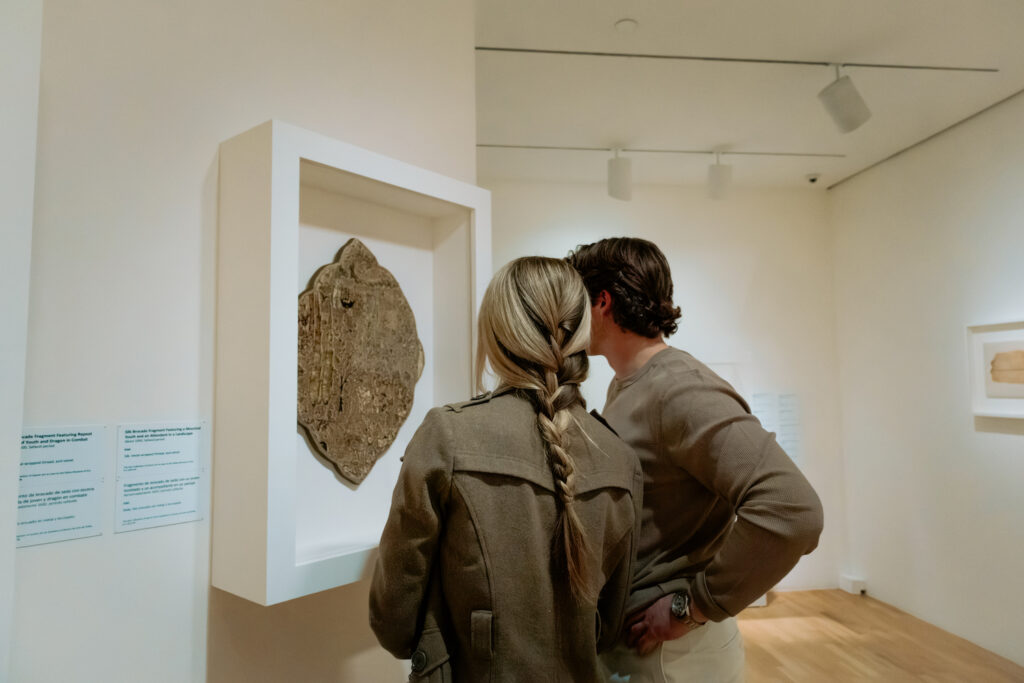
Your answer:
<point x="834" y="637"/>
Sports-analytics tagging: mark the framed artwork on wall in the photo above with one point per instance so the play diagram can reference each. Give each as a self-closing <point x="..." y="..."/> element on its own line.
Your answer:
<point x="286" y="524"/>
<point x="996" y="365"/>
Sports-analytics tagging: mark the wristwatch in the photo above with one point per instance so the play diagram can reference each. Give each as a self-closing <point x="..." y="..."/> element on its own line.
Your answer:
<point x="682" y="610"/>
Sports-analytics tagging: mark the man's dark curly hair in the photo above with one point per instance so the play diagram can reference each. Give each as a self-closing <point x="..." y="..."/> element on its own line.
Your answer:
<point x="636" y="275"/>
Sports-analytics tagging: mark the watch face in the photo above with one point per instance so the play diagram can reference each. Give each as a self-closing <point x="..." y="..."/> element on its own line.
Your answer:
<point x="680" y="605"/>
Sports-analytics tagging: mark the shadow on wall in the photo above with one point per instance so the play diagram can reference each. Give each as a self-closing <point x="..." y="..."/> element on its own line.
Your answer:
<point x="324" y="637"/>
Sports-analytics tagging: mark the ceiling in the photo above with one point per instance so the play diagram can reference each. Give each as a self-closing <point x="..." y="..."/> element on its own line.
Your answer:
<point x="638" y="103"/>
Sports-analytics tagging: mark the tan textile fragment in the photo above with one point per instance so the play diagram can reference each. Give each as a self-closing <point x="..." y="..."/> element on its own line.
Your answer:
<point x="359" y="360"/>
<point x="1008" y="367"/>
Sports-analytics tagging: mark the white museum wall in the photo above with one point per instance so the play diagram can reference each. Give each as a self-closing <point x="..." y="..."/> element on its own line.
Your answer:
<point x="135" y="98"/>
<point x="20" y="34"/>
<point x="753" y="276"/>
<point x="927" y="244"/>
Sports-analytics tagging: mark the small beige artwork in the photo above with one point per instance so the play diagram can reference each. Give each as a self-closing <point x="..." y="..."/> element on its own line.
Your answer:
<point x="1004" y="369"/>
<point x="359" y="360"/>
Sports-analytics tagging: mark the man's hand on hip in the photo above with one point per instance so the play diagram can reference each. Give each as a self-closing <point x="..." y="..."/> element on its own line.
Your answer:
<point x="648" y="628"/>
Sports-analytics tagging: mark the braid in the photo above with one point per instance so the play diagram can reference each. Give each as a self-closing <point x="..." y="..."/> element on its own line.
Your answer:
<point x="534" y="328"/>
<point x="553" y="419"/>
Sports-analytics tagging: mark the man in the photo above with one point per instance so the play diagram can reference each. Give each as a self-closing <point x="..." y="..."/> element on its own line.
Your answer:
<point x="726" y="514"/>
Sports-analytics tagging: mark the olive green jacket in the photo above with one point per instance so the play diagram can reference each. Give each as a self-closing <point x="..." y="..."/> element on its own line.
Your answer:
<point x="475" y="510"/>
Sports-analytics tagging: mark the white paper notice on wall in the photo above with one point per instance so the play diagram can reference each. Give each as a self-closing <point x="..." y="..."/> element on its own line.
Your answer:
<point x="60" y="484"/>
<point x="780" y="413"/>
<point x="161" y="474"/>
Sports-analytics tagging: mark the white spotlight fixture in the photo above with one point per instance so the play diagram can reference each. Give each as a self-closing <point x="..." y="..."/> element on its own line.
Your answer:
<point x="844" y="104"/>
<point x="620" y="177"/>
<point x="719" y="178"/>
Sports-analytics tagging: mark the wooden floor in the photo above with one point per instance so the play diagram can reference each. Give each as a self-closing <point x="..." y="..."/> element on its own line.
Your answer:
<point x="831" y="636"/>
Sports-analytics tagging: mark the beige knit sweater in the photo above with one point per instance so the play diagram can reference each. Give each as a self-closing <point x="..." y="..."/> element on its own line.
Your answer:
<point x="725" y="511"/>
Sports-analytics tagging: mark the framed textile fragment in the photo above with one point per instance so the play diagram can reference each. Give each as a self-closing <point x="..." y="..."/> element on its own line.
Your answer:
<point x="287" y="522"/>
<point x="359" y="361"/>
<point x="996" y="364"/>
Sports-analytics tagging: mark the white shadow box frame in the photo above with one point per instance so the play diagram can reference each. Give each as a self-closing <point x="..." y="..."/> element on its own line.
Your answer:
<point x="990" y="398"/>
<point x="284" y="523"/>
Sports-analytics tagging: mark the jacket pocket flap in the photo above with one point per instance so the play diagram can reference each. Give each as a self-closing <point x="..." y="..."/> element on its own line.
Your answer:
<point x="430" y="653"/>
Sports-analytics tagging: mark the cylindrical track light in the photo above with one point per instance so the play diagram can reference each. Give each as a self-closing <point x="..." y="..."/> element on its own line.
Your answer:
<point x="719" y="179"/>
<point x="844" y="104"/>
<point x="620" y="177"/>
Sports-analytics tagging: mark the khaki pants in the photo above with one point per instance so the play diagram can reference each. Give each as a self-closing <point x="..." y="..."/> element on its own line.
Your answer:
<point x="710" y="654"/>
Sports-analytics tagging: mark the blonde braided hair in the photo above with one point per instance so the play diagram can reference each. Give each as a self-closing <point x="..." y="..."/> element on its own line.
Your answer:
<point x="534" y="328"/>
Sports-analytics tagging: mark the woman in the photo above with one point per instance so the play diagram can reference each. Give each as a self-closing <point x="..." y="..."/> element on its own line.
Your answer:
<point x="508" y="552"/>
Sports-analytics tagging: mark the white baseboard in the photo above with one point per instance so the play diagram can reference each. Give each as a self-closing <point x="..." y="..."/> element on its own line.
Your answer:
<point x="760" y="602"/>
<point x="853" y="584"/>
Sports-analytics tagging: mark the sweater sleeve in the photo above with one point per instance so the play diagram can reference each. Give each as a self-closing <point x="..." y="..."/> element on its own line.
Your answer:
<point x="708" y="431"/>
<point x="408" y="544"/>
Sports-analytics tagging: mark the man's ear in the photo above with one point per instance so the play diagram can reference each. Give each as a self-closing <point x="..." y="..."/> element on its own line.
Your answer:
<point x="603" y="300"/>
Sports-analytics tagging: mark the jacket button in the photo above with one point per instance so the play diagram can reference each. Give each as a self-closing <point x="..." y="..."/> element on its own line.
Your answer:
<point x="419" y="660"/>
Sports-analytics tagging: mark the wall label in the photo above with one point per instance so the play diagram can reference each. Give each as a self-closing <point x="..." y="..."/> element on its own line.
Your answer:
<point x="161" y="474"/>
<point x="60" y="482"/>
<point x="780" y="413"/>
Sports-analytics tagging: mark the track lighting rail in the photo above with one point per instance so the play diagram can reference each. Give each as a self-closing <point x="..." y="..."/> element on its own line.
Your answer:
<point x="744" y="60"/>
<point x="663" y="151"/>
